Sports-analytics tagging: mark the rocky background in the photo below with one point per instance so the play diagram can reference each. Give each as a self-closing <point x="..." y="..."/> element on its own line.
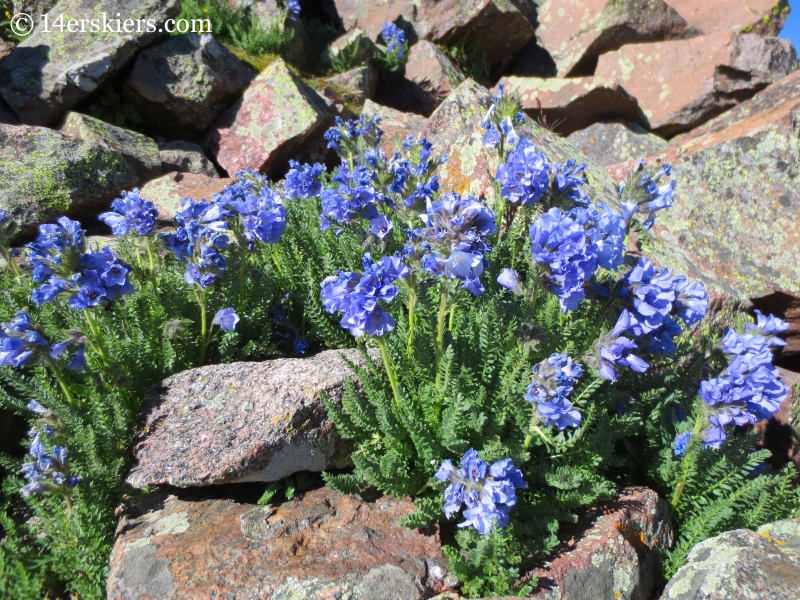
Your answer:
<point x="703" y="84"/>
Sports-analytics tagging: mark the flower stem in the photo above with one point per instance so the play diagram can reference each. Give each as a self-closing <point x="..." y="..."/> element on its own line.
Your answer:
<point x="97" y="341"/>
<point x="534" y="428"/>
<point x="440" y="331"/>
<point x="62" y="382"/>
<point x="387" y="362"/>
<point x="201" y="299"/>
<point x="242" y="273"/>
<point x="686" y="464"/>
<point x="412" y="303"/>
<point x="10" y="261"/>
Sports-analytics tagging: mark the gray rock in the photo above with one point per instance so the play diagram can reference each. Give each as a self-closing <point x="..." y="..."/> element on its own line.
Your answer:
<point x="355" y="86"/>
<point x="44" y="173"/>
<point x="241" y="422"/>
<point x="742" y="565"/>
<point x="185" y="157"/>
<point x="616" y="142"/>
<point x="140" y="151"/>
<point x="185" y="82"/>
<point x="49" y="73"/>
<point x="321" y="544"/>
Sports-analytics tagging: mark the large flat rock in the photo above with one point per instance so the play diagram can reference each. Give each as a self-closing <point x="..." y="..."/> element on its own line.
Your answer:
<point x="576" y="32"/>
<point x="48" y="73"/>
<point x="320" y="545"/>
<point x="681" y="84"/>
<point x="742" y="565"/>
<point x="616" y="142"/>
<point x="248" y="421"/>
<point x="766" y="17"/>
<point x="168" y="190"/>
<point x="44" y="173"/>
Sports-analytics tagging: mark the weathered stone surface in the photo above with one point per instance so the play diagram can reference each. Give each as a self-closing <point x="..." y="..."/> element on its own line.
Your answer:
<point x="49" y="73"/>
<point x="766" y="17"/>
<point x="394" y="124"/>
<point x="185" y="82"/>
<point x="532" y="61"/>
<point x="616" y="142"/>
<point x="168" y="190"/>
<point x="498" y="25"/>
<point x="618" y="556"/>
<point x="185" y="157"/>
<point x="140" y="151"/>
<point x="781" y="433"/>
<point x="241" y="422"/>
<point x="7" y="116"/>
<point x="680" y="84"/>
<point x="454" y="128"/>
<point x="356" y="85"/>
<point x="433" y="71"/>
<point x="277" y="114"/>
<point x="319" y="545"/>
<point x="572" y="104"/>
<point x="6" y="48"/>
<point x="43" y="174"/>
<point x="397" y="91"/>
<point x="356" y="41"/>
<point x="742" y="565"/>
<point x="576" y="32"/>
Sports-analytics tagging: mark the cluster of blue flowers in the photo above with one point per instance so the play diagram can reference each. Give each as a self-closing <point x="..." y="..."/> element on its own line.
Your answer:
<point x="22" y="344"/>
<point x="572" y="245"/>
<point x="655" y="300"/>
<point x="412" y="177"/>
<point x="651" y="194"/>
<point x="554" y="380"/>
<point x="358" y="295"/>
<point x="355" y="138"/>
<point x="750" y="389"/>
<point x="254" y="213"/>
<point x="525" y="175"/>
<point x="303" y="181"/>
<point x="453" y="241"/>
<point x="197" y="242"/>
<point x="499" y="127"/>
<point x="131" y="212"/>
<point x="293" y="9"/>
<point x="395" y="39"/>
<point x="46" y="473"/>
<point x="488" y="492"/>
<point x="355" y="199"/>
<point x="58" y="257"/>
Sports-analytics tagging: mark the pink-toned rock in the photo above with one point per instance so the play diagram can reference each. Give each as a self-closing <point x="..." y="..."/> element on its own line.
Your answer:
<point x="394" y="124"/>
<point x="262" y="130"/>
<point x="321" y="545"/>
<point x="766" y="17"/>
<point x="168" y="190"/>
<point x="680" y="84"/>
<point x="569" y="105"/>
<point x="356" y="85"/>
<point x="6" y="48"/>
<point x="432" y="70"/>
<point x="240" y="422"/>
<point x="498" y="25"/>
<point x="576" y="32"/>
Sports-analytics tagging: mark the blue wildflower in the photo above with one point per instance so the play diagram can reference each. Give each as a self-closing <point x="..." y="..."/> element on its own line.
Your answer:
<point x="692" y="300"/>
<point x="395" y="39"/>
<point x="303" y="181"/>
<point x="681" y="443"/>
<point x="358" y="295"/>
<point x="569" y="181"/>
<point x="488" y="492"/>
<point x="23" y="344"/>
<point x="524" y="176"/>
<point x="554" y="381"/>
<point x="509" y="279"/>
<point x="293" y="9"/>
<point x="130" y="212"/>
<point x="48" y="474"/>
<point x="226" y="318"/>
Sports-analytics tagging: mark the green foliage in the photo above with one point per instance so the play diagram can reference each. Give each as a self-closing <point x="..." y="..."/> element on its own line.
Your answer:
<point x="289" y="486"/>
<point x="347" y="58"/>
<point x="110" y="108"/>
<point x="472" y="60"/>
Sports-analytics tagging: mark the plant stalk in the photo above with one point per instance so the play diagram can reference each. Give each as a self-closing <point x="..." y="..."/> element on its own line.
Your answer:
<point x="686" y="464"/>
<point x="440" y="331"/>
<point x="97" y="341"/>
<point x="387" y="362"/>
